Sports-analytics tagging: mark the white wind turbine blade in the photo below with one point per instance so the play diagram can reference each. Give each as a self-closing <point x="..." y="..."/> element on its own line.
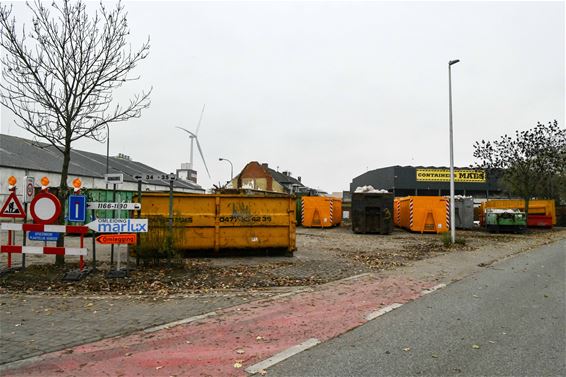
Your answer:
<point x="200" y="119"/>
<point x="184" y="129"/>
<point x="202" y="156"/>
<point x="192" y="136"/>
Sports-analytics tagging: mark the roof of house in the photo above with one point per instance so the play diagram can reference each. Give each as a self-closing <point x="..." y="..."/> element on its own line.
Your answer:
<point x="16" y="152"/>
<point x="283" y="178"/>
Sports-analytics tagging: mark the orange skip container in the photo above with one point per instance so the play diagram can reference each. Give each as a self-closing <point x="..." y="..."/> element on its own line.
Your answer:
<point x="320" y="211"/>
<point x="424" y="214"/>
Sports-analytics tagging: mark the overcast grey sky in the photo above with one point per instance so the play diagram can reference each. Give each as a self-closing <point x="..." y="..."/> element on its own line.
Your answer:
<point x="328" y="90"/>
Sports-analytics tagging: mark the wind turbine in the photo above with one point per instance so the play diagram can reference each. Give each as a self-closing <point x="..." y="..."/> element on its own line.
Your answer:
<point x="194" y="137"/>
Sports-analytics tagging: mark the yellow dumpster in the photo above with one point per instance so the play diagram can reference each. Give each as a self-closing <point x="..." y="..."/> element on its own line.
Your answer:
<point x="220" y="221"/>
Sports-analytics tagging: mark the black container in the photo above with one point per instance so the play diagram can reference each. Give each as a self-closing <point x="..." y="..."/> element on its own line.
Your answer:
<point x="372" y="213"/>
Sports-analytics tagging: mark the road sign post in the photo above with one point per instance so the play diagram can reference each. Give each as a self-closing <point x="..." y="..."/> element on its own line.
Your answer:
<point x="45" y="208"/>
<point x="77" y="208"/>
<point x="113" y="206"/>
<point x="112" y="246"/>
<point x="29" y="189"/>
<point x="119" y="225"/>
<point x="115" y="179"/>
<point x="43" y="236"/>
<point x="120" y="239"/>
<point x="138" y="242"/>
<point x="12" y="207"/>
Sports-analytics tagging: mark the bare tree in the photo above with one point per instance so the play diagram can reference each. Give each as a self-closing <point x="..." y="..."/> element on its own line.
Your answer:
<point x="533" y="161"/>
<point x="58" y="77"/>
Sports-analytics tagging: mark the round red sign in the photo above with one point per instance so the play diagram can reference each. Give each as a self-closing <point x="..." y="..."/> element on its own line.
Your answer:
<point x="29" y="189"/>
<point x="45" y="208"/>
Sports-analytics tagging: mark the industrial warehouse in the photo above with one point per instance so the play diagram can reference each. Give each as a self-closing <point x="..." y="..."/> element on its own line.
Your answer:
<point x="431" y="181"/>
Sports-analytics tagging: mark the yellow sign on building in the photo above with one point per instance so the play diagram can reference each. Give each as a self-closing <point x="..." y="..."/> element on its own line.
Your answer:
<point x="443" y="175"/>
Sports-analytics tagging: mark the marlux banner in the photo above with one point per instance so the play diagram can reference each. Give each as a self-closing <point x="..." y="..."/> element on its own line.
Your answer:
<point x="118" y="225"/>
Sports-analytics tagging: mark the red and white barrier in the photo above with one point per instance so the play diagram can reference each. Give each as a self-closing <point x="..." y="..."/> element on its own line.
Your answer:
<point x="75" y="229"/>
<point x="51" y="250"/>
<point x="44" y="250"/>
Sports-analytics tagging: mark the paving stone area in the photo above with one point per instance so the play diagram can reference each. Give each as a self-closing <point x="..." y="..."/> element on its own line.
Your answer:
<point x="34" y="325"/>
<point x="31" y="325"/>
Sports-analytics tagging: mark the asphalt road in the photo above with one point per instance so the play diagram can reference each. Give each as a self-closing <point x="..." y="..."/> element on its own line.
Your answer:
<point x="506" y="320"/>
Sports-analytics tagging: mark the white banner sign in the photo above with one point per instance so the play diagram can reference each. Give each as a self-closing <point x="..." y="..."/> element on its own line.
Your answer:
<point x="119" y="225"/>
<point x="116" y="179"/>
<point x="114" y="206"/>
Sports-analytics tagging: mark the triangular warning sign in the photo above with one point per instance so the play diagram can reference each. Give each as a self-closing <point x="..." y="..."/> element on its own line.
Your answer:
<point x="12" y="207"/>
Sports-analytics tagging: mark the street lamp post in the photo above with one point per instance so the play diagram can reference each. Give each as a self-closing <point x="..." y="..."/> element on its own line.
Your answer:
<point x="452" y="210"/>
<point x="231" y="167"/>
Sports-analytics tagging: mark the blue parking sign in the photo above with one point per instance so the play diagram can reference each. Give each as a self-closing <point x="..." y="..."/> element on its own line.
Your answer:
<point x="77" y="208"/>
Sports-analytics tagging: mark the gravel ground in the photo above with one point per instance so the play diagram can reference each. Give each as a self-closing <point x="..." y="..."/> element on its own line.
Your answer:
<point x="323" y="255"/>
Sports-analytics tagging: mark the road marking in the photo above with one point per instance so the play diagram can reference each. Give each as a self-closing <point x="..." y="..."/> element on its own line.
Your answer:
<point x="382" y="311"/>
<point x="277" y="358"/>
<point x="430" y="290"/>
<point x="180" y="322"/>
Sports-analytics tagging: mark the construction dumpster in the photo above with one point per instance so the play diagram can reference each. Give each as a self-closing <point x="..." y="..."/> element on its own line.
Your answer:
<point x="320" y="211"/>
<point x="505" y="220"/>
<point x="397" y="212"/>
<point x="372" y="213"/>
<point x="542" y="212"/>
<point x="220" y="221"/>
<point x="425" y="214"/>
<point x="463" y="212"/>
<point x="298" y="211"/>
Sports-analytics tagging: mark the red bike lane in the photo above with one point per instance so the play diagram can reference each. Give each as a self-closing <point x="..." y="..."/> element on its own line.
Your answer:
<point x="232" y="339"/>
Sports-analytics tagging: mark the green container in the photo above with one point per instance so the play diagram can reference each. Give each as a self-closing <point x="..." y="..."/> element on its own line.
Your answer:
<point x="506" y="220"/>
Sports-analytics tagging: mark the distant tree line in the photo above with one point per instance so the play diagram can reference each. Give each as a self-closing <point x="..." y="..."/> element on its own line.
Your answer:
<point x="533" y="161"/>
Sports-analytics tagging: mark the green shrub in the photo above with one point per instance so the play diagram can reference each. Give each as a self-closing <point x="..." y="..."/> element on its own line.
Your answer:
<point x="446" y="239"/>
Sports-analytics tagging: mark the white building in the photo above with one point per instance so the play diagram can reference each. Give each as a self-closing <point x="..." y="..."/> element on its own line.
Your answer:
<point x="22" y="157"/>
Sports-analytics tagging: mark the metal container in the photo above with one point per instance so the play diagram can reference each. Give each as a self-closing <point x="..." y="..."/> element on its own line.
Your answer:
<point x="219" y="221"/>
<point x="505" y="220"/>
<point x="464" y="212"/>
<point x="320" y="211"/>
<point x="397" y="212"/>
<point x="542" y="212"/>
<point x="372" y="213"/>
<point x="298" y="212"/>
<point x="424" y="214"/>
